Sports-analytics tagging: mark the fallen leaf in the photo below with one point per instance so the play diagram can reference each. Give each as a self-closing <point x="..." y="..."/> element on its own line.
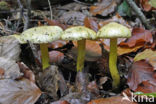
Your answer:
<point x="147" y="55"/>
<point x="56" y="56"/>
<point x="140" y="71"/>
<point x="1" y="72"/>
<point x="60" y="102"/>
<point x="93" y="88"/>
<point x="93" y="50"/>
<point x="146" y="87"/>
<point x="91" y="23"/>
<point x="18" y="92"/>
<point x="10" y="67"/>
<point x="73" y="18"/>
<point x="126" y="50"/>
<point x="116" y="18"/>
<point x="139" y="36"/>
<point x="57" y="44"/>
<point x="9" y="48"/>
<point x="56" y="23"/>
<point x="121" y="49"/>
<point x="111" y="100"/>
<point x="104" y="8"/>
<point x="145" y="5"/>
<point x="27" y="72"/>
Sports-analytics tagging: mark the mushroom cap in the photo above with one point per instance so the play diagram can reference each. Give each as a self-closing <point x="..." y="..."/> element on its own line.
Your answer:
<point x="114" y="30"/>
<point x="78" y="33"/>
<point x="41" y="34"/>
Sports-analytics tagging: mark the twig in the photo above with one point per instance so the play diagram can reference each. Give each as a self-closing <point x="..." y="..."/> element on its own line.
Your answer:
<point x="51" y="12"/>
<point x="21" y="13"/>
<point x="139" y="13"/>
<point x="28" y="14"/>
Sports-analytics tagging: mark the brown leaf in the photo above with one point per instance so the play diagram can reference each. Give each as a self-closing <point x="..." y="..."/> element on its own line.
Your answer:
<point x="116" y="18"/>
<point x="27" y="72"/>
<point x="93" y="88"/>
<point x="18" y="92"/>
<point x="57" y="44"/>
<point x="60" y="102"/>
<point x="93" y="50"/>
<point x="56" y="56"/>
<point x="146" y="87"/>
<point x="91" y="23"/>
<point x="145" y="5"/>
<point x="139" y="36"/>
<point x="147" y="55"/>
<point x="10" y="68"/>
<point x="56" y="23"/>
<point x="121" y="49"/>
<point x="111" y="100"/>
<point x="104" y="8"/>
<point x="140" y="71"/>
<point x="1" y="71"/>
<point x="73" y="18"/>
<point x="126" y="50"/>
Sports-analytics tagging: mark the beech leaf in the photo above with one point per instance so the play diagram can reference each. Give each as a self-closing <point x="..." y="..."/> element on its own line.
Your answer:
<point x="18" y="92"/>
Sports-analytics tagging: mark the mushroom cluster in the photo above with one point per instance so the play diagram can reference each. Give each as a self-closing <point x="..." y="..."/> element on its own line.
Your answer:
<point x="45" y="34"/>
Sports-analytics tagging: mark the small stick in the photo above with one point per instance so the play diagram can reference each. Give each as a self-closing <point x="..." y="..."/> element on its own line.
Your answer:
<point x="51" y="12"/>
<point x="139" y="13"/>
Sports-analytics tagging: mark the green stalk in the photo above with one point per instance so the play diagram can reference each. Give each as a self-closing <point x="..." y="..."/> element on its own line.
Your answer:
<point x="81" y="55"/>
<point x="44" y="55"/>
<point x="113" y="63"/>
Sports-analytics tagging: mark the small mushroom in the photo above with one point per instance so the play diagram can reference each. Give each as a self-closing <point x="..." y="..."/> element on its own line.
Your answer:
<point x="79" y="33"/>
<point x="41" y="35"/>
<point x="113" y="31"/>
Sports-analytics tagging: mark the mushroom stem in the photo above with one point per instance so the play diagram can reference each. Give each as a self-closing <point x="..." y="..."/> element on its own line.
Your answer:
<point x="81" y="55"/>
<point x="113" y="62"/>
<point x="44" y="55"/>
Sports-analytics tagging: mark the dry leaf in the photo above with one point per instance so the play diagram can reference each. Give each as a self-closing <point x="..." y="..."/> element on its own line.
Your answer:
<point x="140" y="71"/>
<point x="91" y="23"/>
<point x="10" y="67"/>
<point x="56" y="23"/>
<point x="56" y="56"/>
<point x="126" y="50"/>
<point x="18" y="92"/>
<point x="57" y="44"/>
<point x="145" y="5"/>
<point x="93" y="50"/>
<point x="146" y="87"/>
<point x="9" y="47"/>
<point x="139" y="36"/>
<point x="26" y="71"/>
<point x="111" y="100"/>
<point x="60" y="102"/>
<point x="73" y="18"/>
<point x="116" y="18"/>
<point x="1" y="72"/>
<point x="104" y="8"/>
<point x="148" y="55"/>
